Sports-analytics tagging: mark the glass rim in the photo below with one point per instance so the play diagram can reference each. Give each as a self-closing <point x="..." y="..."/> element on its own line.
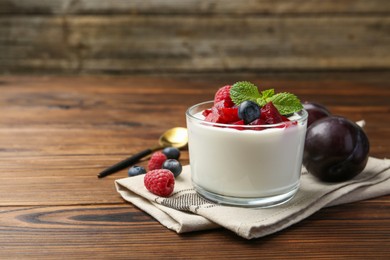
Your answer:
<point x="302" y="113"/>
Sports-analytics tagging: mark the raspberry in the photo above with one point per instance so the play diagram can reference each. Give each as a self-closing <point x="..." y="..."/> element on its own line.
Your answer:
<point x="224" y="94"/>
<point x="229" y="115"/>
<point x="270" y="114"/>
<point x="206" y="112"/>
<point x="156" y="161"/>
<point x="221" y="114"/>
<point x="259" y="121"/>
<point x="160" y="182"/>
<point x="237" y="125"/>
<point x="213" y="115"/>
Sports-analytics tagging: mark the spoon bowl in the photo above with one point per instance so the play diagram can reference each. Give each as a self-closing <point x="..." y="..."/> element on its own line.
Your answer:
<point x="175" y="137"/>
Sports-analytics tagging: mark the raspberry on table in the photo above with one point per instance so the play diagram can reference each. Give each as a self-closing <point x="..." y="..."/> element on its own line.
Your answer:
<point x="160" y="182"/>
<point x="156" y="161"/>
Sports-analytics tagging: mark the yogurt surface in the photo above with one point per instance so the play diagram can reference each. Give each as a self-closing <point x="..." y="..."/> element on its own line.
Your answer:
<point x="245" y="163"/>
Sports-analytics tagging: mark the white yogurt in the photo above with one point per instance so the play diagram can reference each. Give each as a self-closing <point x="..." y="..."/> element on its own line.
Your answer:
<point x="245" y="164"/>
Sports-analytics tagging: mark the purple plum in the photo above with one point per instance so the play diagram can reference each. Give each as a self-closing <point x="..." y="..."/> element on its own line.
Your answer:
<point x="336" y="149"/>
<point x="315" y="111"/>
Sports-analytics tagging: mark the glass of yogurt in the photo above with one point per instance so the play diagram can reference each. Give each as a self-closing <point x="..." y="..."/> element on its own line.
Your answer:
<point x="245" y="165"/>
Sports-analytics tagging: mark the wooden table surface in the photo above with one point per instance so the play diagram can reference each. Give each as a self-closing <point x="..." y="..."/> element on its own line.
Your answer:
<point x="58" y="132"/>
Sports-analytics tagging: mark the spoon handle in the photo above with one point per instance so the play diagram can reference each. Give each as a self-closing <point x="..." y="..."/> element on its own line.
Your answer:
<point x="125" y="163"/>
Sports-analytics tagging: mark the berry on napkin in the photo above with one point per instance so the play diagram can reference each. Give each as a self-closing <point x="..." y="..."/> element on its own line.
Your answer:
<point x="160" y="182"/>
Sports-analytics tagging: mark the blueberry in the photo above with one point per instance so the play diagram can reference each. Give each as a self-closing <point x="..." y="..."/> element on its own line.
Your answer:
<point x="136" y="170"/>
<point x="248" y="111"/>
<point x="173" y="165"/>
<point x="171" y="152"/>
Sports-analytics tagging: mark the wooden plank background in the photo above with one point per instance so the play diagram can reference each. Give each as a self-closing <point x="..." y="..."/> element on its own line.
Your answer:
<point x="172" y="36"/>
<point x="58" y="132"/>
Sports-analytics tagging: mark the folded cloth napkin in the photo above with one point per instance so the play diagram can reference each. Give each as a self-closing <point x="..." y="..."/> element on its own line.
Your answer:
<point x="186" y="211"/>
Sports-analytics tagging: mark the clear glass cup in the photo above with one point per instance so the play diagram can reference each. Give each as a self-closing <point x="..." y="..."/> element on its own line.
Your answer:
<point x="242" y="165"/>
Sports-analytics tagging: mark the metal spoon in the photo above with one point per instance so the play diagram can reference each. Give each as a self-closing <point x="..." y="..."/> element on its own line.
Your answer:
<point x="174" y="137"/>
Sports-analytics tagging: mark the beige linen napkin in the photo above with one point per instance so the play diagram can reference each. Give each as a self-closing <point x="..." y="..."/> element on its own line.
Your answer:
<point x="186" y="211"/>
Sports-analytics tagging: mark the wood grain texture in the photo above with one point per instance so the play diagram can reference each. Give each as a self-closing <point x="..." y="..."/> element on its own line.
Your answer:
<point x="141" y="44"/>
<point x="57" y="133"/>
<point x="198" y="7"/>
<point x="122" y="37"/>
<point x="122" y="232"/>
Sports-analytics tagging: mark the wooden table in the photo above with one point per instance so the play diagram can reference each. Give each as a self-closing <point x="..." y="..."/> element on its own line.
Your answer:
<point x="58" y="132"/>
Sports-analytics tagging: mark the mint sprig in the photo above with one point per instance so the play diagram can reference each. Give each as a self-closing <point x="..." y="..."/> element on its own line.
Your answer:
<point x="244" y="90"/>
<point x="286" y="103"/>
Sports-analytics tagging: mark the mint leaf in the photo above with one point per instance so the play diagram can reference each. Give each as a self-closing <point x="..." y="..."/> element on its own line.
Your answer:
<point x="286" y="103"/>
<point x="265" y="94"/>
<point x="244" y="90"/>
<point x="261" y="101"/>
